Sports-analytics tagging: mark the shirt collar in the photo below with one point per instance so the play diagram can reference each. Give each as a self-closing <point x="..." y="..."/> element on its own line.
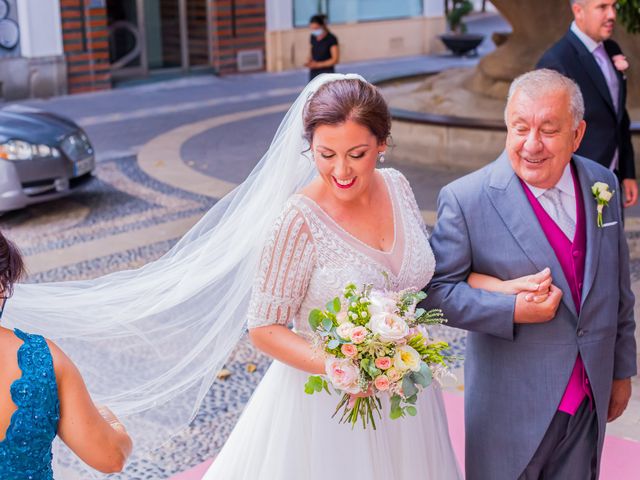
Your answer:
<point x="588" y="42"/>
<point x="565" y="184"/>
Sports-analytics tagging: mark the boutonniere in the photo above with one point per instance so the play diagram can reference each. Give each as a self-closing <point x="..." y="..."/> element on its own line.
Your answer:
<point x="620" y="62"/>
<point x="602" y="195"/>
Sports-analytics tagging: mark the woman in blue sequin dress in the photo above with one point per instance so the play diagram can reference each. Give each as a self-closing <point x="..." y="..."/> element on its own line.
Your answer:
<point x="43" y="395"/>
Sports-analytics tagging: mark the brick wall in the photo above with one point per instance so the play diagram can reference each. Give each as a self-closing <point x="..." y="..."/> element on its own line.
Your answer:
<point x="236" y="25"/>
<point x="86" y="46"/>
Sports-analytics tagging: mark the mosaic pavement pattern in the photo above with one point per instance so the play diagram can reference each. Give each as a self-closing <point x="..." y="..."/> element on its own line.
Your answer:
<point x="121" y="199"/>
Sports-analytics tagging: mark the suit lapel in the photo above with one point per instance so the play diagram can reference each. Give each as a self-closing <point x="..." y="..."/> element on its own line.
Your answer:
<point x="509" y="200"/>
<point x="592" y="68"/>
<point x="586" y="179"/>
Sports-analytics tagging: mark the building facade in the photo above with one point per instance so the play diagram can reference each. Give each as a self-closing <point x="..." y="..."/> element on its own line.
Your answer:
<point x="69" y="46"/>
<point x="366" y="29"/>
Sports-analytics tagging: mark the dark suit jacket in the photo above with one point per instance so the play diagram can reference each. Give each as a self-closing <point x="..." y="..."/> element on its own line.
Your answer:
<point x="606" y="129"/>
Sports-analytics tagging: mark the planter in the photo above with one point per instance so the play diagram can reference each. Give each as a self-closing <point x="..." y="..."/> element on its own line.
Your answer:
<point x="462" y="43"/>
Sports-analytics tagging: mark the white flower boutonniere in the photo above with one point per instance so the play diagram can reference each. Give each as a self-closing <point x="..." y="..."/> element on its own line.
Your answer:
<point x="602" y="195"/>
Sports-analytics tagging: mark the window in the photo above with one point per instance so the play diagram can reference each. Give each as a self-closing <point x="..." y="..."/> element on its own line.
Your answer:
<point x="349" y="11"/>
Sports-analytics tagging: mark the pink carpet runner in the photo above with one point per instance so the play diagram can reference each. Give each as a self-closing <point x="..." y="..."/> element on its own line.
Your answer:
<point x="621" y="457"/>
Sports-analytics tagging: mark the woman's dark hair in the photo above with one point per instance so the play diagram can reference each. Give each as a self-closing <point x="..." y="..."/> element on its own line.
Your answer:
<point x="350" y="99"/>
<point x="11" y="266"/>
<point x="319" y="19"/>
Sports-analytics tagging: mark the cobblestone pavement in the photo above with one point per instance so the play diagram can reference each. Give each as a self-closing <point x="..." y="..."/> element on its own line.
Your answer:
<point x="161" y="165"/>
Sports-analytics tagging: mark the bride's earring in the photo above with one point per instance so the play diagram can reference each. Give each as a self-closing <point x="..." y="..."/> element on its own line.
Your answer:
<point x="381" y="157"/>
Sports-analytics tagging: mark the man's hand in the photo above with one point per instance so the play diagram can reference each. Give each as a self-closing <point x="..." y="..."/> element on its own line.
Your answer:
<point x="630" y="188"/>
<point x="620" y="395"/>
<point x="532" y="312"/>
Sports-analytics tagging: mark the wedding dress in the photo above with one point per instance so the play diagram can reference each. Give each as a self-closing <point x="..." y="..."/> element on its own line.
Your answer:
<point x="283" y="432"/>
<point x="149" y="342"/>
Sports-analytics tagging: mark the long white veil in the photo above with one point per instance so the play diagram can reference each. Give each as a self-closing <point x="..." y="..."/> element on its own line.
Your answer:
<point x="149" y="342"/>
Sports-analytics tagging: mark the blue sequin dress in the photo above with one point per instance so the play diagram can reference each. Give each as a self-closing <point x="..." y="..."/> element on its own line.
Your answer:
<point x="25" y="453"/>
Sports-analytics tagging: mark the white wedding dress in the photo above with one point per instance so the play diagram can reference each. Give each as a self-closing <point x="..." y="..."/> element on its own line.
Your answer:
<point x="285" y="434"/>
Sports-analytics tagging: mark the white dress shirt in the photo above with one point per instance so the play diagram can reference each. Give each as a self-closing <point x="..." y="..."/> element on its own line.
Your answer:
<point x="565" y="185"/>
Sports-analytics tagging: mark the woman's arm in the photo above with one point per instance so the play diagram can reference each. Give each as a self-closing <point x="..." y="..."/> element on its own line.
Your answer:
<point x="538" y="284"/>
<point x="335" y="57"/>
<point x="102" y="443"/>
<point x="279" y="342"/>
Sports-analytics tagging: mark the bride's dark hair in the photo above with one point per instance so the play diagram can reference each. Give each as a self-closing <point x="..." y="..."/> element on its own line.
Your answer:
<point x="350" y="99"/>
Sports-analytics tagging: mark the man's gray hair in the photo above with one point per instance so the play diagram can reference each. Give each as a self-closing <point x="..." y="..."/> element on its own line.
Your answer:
<point x="538" y="83"/>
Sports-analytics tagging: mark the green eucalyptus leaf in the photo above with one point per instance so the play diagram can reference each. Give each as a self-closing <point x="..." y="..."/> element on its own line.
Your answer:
<point x="315" y="317"/>
<point x="336" y="305"/>
<point x="408" y="388"/>
<point x="327" y="324"/>
<point x="411" y="410"/>
<point x="395" y="413"/>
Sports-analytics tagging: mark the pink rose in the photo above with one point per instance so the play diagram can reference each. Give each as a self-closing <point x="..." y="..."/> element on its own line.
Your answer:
<point x="358" y="334"/>
<point x="349" y="350"/>
<point x="620" y="62"/>
<point x="383" y="363"/>
<point x="343" y="374"/>
<point x="381" y="383"/>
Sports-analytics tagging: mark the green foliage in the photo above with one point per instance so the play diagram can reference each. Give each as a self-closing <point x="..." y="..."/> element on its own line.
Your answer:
<point x="432" y="317"/>
<point x="629" y="14"/>
<point x="363" y="408"/>
<point x="460" y="9"/>
<point x="315" y="383"/>
<point x="315" y="318"/>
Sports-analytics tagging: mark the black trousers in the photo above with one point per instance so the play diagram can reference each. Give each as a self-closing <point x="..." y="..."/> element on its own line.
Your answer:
<point x="568" y="450"/>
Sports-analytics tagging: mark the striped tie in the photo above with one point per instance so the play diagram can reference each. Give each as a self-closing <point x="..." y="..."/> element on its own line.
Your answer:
<point x="559" y="213"/>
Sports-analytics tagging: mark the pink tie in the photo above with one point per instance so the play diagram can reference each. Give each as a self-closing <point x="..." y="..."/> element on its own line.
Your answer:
<point x="609" y="74"/>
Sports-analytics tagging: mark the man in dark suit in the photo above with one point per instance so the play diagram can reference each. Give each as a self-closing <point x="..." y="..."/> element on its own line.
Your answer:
<point x="588" y="55"/>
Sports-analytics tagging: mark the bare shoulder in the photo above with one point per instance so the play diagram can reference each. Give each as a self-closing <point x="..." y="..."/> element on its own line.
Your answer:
<point x="9" y="345"/>
<point x="62" y="364"/>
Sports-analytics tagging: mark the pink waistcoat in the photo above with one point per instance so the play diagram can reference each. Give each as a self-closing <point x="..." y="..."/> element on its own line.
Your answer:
<point x="571" y="255"/>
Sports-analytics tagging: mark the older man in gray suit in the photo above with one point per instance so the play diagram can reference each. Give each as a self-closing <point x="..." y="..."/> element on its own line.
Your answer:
<point x="541" y="377"/>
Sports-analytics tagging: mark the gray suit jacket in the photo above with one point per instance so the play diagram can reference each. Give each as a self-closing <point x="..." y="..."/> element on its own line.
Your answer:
<point x="515" y="375"/>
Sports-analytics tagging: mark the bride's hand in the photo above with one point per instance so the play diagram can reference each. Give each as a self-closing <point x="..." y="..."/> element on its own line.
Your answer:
<point x="537" y="285"/>
<point x="354" y="396"/>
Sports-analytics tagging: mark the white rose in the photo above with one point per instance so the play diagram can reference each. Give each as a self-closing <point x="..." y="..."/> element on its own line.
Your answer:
<point x="342" y="374"/>
<point x="406" y="358"/>
<point x="388" y="326"/>
<point x="381" y="304"/>
<point x="344" y="330"/>
<point x="601" y="187"/>
<point x="341" y="317"/>
<point x="605" y="195"/>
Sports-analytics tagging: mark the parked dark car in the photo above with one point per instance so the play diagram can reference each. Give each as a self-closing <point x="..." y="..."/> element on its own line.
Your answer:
<point x="43" y="156"/>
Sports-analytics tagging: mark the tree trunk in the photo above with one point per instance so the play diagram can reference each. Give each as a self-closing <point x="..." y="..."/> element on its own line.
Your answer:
<point x="536" y="25"/>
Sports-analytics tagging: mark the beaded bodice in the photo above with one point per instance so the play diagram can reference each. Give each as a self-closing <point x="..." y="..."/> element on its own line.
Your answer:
<point x="309" y="258"/>
<point x="25" y="453"/>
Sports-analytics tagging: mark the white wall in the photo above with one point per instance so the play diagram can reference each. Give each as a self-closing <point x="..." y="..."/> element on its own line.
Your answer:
<point x="433" y="8"/>
<point x="40" y="28"/>
<point x="279" y="15"/>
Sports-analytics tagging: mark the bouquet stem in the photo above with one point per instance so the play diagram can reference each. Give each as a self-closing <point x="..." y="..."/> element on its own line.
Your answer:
<point x="363" y="408"/>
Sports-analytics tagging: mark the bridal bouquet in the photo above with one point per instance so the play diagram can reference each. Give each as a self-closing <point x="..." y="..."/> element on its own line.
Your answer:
<point x="376" y="344"/>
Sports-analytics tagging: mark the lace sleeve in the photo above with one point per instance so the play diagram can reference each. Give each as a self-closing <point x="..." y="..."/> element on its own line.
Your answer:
<point x="408" y="198"/>
<point x="284" y="271"/>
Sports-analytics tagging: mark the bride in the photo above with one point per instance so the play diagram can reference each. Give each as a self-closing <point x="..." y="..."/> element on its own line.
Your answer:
<point x="352" y="223"/>
<point x="150" y="341"/>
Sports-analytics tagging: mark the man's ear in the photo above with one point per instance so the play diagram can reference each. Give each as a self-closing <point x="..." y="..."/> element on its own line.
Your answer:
<point x="579" y="134"/>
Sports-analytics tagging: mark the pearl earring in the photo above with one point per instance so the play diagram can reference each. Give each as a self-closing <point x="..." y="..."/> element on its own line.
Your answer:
<point x="381" y="157"/>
